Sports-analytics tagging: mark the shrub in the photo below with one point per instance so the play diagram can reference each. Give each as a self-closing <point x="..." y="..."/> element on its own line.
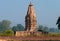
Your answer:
<point x="8" y="33"/>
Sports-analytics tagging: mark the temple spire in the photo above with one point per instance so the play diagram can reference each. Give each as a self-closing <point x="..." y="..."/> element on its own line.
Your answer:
<point x="30" y="0"/>
<point x="30" y="3"/>
<point x="30" y="19"/>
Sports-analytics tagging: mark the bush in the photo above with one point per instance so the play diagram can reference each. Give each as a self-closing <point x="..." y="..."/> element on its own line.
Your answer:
<point x="8" y="33"/>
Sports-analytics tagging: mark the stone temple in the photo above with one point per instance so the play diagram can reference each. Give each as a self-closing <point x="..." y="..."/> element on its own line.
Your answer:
<point x="30" y="19"/>
<point x="30" y="23"/>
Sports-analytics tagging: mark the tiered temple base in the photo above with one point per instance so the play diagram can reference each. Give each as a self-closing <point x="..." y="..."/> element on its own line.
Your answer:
<point x="27" y="33"/>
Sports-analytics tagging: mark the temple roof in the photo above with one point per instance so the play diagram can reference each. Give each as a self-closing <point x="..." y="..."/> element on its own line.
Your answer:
<point x="31" y="11"/>
<point x="30" y="4"/>
<point x="30" y="19"/>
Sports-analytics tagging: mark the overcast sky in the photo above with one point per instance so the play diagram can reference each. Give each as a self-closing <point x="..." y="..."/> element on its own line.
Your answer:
<point x="47" y="11"/>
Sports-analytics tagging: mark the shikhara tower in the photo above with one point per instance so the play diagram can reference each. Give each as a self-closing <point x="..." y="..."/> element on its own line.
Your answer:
<point x="30" y="19"/>
<point x="30" y="23"/>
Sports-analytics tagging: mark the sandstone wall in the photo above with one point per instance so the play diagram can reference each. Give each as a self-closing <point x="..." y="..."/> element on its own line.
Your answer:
<point x="26" y="33"/>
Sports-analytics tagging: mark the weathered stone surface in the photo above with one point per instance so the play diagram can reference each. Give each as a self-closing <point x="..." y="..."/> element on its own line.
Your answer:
<point x="30" y="19"/>
<point x="27" y="33"/>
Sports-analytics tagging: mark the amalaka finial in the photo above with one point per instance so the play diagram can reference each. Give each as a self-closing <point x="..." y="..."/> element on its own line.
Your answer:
<point x="30" y="0"/>
<point x="31" y="3"/>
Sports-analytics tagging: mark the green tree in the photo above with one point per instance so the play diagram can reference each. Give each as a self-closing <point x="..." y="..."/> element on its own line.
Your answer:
<point x="15" y="28"/>
<point x="20" y="27"/>
<point x="5" y="25"/>
<point x="58" y="22"/>
<point x="8" y="33"/>
<point x="42" y="28"/>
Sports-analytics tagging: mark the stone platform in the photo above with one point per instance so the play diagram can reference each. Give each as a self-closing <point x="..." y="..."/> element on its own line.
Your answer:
<point x="27" y="33"/>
